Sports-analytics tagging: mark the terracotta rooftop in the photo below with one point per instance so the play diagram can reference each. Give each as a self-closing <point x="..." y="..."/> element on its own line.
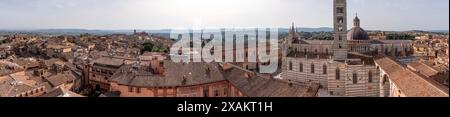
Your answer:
<point x="176" y="74"/>
<point x="55" y="46"/>
<point x="10" y="87"/>
<point x="188" y="74"/>
<point x="423" y="69"/>
<point x="256" y="86"/>
<point x="27" y="62"/>
<point x="61" y="78"/>
<point x="108" y="61"/>
<point x="410" y="83"/>
<point x="50" y="62"/>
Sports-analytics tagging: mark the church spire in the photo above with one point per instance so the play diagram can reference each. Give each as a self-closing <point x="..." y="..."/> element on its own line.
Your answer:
<point x="356" y="22"/>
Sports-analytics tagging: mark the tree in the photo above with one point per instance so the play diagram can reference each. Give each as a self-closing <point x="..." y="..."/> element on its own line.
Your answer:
<point x="150" y="47"/>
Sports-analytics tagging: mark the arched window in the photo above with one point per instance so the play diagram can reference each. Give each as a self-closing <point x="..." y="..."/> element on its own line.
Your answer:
<point x="340" y="28"/>
<point x="290" y="65"/>
<point x="338" y="74"/>
<point x="370" y="76"/>
<point x="385" y="79"/>
<point x="301" y="67"/>
<point x="324" y="69"/>
<point x="355" y="78"/>
<point x="312" y="67"/>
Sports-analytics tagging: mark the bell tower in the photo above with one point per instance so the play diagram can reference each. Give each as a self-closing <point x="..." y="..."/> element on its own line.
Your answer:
<point x="340" y="30"/>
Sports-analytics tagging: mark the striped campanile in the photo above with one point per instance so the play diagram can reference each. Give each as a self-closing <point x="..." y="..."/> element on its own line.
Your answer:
<point x="340" y="30"/>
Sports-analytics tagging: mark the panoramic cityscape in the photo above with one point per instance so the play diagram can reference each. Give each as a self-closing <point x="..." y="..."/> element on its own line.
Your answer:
<point x="349" y="54"/>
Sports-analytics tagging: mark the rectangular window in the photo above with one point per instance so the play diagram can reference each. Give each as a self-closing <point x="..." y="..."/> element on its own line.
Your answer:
<point x="216" y="93"/>
<point x="339" y="10"/>
<point x="338" y="74"/>
<point x="225" y="91"/>
<point x="138" y="90"/>
<point x="355" y="78"/>
<point x="205" y="91"/>
<point x="290" y="65"/>
<point x="130" y="89"/>
<point x="301" y="67"/>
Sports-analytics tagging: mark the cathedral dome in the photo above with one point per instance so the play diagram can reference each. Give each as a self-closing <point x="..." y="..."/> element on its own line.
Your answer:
<point x="357" y="33"/>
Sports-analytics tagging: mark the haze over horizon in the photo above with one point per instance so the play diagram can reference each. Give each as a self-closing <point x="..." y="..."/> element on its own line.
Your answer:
<point x="390" y="15"/>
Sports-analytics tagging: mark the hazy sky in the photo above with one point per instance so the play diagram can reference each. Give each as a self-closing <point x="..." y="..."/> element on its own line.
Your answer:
<point x="153" y="14"/>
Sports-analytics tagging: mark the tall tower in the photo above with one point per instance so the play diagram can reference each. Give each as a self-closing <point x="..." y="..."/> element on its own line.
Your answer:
<point x="287" y="45"/>
<point x="340" y="30"/>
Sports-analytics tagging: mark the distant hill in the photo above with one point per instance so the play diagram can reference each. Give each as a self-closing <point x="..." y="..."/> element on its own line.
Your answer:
<point x="69" y="31"/>
<point x="439" y="31"/>
<point x="167" y="31"/>
<point x="302" y="29"/>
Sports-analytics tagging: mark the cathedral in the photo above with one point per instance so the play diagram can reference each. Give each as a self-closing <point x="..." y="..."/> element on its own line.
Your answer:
<point x="343" y="66"/>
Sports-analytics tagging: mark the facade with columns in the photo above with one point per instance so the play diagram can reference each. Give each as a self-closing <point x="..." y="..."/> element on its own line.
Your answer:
<point x="343" y="66"/>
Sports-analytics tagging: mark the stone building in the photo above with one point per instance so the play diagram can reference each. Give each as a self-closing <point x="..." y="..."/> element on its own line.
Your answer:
<point x="202" y="80"/>
<point x="343" y="66"/>
<point x="100" y="70"/>
<point x="57" y="50"/>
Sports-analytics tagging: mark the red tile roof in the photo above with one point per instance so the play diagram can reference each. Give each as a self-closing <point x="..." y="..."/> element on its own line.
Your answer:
<point x="409" y="82"/>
